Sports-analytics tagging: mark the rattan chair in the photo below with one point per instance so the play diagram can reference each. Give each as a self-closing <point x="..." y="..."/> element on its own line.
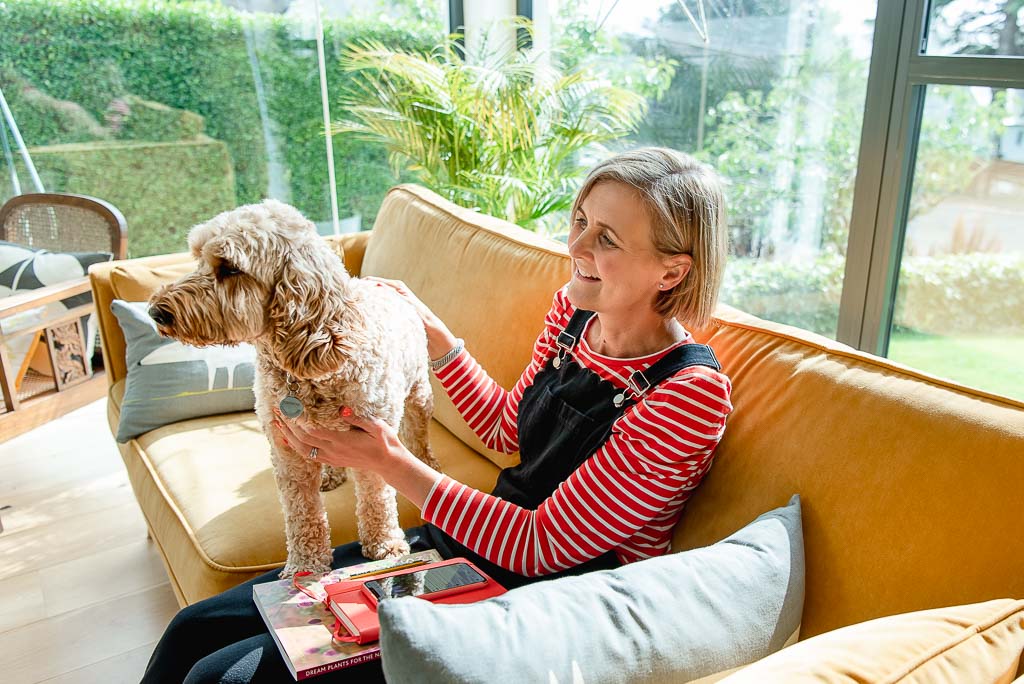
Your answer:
<point x="64" y="223"/>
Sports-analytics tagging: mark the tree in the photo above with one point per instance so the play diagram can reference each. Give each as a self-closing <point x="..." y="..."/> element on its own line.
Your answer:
<point x="986" y="28"/>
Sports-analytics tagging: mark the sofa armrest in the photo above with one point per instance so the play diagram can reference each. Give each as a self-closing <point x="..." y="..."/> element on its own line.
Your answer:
<point x="351" y="247"/>
<point x="103" y="294"/>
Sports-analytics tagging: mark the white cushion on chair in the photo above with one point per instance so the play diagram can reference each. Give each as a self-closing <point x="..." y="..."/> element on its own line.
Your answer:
<point x="23" y="269"/>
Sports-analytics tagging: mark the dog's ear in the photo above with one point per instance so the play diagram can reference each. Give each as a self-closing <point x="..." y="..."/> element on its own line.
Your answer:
<point x="306" y="313"/>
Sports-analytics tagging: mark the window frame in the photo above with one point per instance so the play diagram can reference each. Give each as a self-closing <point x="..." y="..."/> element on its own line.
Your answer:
<point x="888" y="152"/>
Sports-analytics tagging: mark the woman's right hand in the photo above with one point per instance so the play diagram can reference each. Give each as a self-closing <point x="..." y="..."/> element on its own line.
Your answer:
<point x="440" y="339"/>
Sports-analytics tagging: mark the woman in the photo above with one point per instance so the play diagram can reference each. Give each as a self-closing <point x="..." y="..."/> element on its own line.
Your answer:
<point x="616" y="418"/>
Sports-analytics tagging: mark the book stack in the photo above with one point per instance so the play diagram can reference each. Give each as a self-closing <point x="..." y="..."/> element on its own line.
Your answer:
<point x="302" y="627"/>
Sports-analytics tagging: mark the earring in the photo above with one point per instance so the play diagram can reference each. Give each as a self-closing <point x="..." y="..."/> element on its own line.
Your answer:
<point x="661" y="286"/>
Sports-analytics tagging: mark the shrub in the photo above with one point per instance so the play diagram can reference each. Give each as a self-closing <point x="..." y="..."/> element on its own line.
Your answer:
<point x="192" y="56"/>
<point x="963" y="294"/>
<point x="163" y="189"/>
<point x="804" y="294"/>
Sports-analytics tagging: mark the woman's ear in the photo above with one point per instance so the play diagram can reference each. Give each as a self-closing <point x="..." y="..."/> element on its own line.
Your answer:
<point x="676" y="270"/>
<point x="305" y="321"/>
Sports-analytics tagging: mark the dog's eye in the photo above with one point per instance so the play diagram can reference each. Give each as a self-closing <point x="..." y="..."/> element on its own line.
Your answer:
<point x="226" y="270"/>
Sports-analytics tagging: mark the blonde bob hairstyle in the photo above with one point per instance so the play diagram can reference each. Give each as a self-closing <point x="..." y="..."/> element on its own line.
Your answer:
<point x="686" y="206"/>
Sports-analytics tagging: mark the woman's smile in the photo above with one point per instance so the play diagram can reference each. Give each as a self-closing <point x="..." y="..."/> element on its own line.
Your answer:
<point x="585" y="275"/>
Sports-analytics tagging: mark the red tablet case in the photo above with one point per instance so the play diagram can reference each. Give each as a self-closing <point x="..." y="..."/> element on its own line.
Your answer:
<point x="359" y="614"/>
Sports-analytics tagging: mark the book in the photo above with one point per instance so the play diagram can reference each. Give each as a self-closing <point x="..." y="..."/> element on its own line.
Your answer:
<point x="301" y="627"/>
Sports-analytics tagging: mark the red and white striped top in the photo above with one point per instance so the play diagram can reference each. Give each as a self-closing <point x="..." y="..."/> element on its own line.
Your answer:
<point x="627" y="496"/>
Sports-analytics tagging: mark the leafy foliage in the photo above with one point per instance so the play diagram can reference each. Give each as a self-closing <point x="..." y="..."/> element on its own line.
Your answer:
<point x="967" y="294"/>
<point x="499" y="131"/>
<point x="962" y="294"/>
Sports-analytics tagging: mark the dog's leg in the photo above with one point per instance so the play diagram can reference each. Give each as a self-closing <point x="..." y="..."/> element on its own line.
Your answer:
<point x="377" y="517"/>
<point x="332" y="478"/>
<point x="305" y="520"/>
<point x="415" y="427"/>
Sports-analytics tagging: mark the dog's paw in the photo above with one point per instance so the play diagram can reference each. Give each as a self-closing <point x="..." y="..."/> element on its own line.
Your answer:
<point x="332" y="478"/>
<point x="290" y="569"/>
<point x="390" y="548"/>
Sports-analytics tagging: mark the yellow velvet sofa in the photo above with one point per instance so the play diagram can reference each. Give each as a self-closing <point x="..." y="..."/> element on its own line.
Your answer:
<point x="912" y="487"/>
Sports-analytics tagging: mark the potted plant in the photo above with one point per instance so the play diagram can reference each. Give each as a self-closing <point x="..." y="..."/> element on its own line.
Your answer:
<point x="501" y="131"/>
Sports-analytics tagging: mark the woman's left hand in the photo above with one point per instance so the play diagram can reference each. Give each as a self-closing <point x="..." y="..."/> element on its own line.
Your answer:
<point x="370" y="444"/>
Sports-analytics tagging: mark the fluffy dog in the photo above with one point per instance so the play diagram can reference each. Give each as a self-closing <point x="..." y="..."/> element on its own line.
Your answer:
<point x="265" y="276"/>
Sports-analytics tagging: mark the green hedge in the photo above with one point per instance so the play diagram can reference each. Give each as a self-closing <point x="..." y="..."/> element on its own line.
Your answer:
<point x="163" y="189"/>
<point x="962" y="294"/>
<point x="192" y="56"/>
<point x="956" y="294"/>
<point x="805" y="294"/>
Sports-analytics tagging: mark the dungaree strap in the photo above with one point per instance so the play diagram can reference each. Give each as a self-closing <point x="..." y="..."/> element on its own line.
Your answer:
<point x="570" y="336"/>
<point x="692" y="354"/>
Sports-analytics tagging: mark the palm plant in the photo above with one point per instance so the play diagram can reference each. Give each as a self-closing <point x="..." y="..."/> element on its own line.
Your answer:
<point x="500" y="131"/>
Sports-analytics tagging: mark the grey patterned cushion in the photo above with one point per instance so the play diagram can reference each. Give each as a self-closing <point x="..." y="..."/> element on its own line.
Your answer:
<point x="169" y="381"/>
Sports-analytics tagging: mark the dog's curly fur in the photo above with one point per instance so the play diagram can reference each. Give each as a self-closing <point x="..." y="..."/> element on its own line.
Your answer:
<point x="265" y="276"/>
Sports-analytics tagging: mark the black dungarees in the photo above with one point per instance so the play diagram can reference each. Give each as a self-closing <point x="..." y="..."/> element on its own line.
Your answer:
<point x="564" y="418"/>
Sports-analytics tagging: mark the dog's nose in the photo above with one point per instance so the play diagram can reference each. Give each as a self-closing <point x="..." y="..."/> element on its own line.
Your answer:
<point x="161" y="316"/>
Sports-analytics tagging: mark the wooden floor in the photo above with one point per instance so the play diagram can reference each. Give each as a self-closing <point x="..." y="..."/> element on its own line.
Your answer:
<point x="83" y="594"/>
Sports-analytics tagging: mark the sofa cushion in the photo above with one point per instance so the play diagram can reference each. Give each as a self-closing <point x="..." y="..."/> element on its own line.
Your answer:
<point x="204" y="523"/>
<point x="973" y="644"/>
<point x="169" y="381"/>
<point x="669" y="619"/>
<point x="137" y="282"/>
<point x="489" y="280"/>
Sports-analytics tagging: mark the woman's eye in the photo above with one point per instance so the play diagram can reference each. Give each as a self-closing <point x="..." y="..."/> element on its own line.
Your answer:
<point x="607" y="241"/>
<point x="580" y="223"/>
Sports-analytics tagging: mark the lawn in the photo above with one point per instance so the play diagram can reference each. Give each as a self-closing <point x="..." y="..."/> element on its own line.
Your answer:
<point x="991" y="363"/>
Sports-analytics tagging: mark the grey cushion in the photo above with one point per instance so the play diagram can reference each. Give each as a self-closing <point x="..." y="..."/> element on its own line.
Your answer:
<point x="669" y="619"/>
<point x="169" y="381"/>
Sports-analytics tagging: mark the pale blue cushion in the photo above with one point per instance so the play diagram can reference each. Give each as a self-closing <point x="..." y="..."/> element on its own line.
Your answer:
<point x="669" y="619"/>
<point x="169" y="381"/>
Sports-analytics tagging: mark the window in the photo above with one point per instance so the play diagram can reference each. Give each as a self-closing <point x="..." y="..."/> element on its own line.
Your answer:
<point x="936" y="279"/>
<point x="772" y="94"/>
<point x="174" y="112"/>
<point x="959" y="308"/>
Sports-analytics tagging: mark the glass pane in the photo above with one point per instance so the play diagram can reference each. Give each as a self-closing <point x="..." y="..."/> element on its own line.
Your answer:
<point x="976" y="27"/>
<point x="774" y="99"/>
<point x="959" y="310"/>
<point x="176" y="111"/>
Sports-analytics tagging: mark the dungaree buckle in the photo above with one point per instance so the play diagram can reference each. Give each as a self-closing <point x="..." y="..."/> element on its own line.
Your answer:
<point x="565" y="342"/>
<point x="637" y="385"/>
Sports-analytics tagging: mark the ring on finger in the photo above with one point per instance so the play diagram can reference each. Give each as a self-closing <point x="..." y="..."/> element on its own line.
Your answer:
<point x="312" y="454"/>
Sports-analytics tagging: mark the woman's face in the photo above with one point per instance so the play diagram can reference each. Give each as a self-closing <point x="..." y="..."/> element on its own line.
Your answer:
<point x="615" y="267"/>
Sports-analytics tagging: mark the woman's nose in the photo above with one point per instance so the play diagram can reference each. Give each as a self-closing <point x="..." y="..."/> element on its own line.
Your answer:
<point x="578" y="245"/>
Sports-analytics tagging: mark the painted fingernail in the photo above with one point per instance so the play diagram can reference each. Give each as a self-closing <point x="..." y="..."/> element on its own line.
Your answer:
<point x="346" y="411"/>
